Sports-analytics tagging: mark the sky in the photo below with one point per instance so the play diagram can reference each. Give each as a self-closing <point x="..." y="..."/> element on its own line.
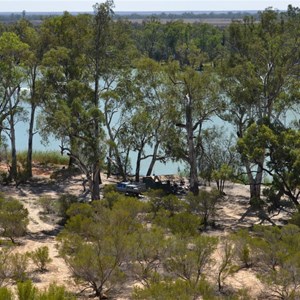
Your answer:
<point x="143" y="5"/>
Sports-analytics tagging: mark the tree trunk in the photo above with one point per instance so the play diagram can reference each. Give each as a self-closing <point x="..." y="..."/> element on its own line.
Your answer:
<point x="138" y="166"/>
<point x="30" y="141"/>
<point x="254" y="182"/>
<point x="96" y="182"/>
<point x="13" y="170"/>
<point x="73" y="145"/>
<point x="109" y="164"/>
<point x="194" y="183"/>
<point x="120" y="165"/>
<point x="153" y="160"/>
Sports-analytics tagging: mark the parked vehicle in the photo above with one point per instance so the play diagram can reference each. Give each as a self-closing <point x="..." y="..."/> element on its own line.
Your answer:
<point x="131" y="188"/>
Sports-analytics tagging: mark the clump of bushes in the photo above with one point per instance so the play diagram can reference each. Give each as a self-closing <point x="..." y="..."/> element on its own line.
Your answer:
<point x="45" y="157"/>
<point x="41" y="258"/>
<point x="13" y="218"/>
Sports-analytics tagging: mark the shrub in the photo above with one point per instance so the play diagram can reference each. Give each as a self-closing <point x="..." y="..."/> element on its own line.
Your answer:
<point x="26" y="290"/>
<point x="41" y="258"/>
<point x="18" y="264"/>
<point x="64" y="203"/>
<point x="4" y="266"/>
<point x="204" y="205"/>
<point x="110" y="198"/>
<point x="45" y="157"/>
<point x="169" y="290"/>
<point x="13" y="218"/>
<point x="187" y="258"/>
<point x="243" y="248"/>
<point x="55" y="292"/>
<point x="47" y="204"/>
<point x="170" y="203"/>
<point x="6" y="294"/>
<point x="184" y="223"/>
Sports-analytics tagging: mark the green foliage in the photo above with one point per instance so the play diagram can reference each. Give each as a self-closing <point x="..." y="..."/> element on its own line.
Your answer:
<point x="47" y="203"/>
<point x="13" y="218"/>
<point x="257" y="202"/>
<point x="184" y="223"/>
<point x="111" y="197"/>
<point x="45" y="157"/>
<point x="108" y="188"/>
<point x="97" y="243"/>
<point x="223" y="174"/>
<point x="55" y="292"/>
<point x="26" y="291"/>
<point x="170" y="203"/>
<point x="5" y="271"/>
<point x="63" y="203"/>
<point x="243" y="248"/>
<point x="41" y="258"/>
<point x="226" y="265"/>
<point x="18" y="265"/>
<point x="178" y="289"/>
<point x="6" y="294"/>
<point x="187" y="258"/>
<point x="148" y="246"/>
<point x="204" y="205"/>
<point x="295" y="218"/>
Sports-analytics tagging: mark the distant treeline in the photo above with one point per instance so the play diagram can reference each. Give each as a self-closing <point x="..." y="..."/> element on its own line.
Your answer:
<point x="229" y="15"/>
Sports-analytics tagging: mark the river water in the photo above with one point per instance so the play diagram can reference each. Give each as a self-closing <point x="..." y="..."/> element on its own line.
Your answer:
<point x="53" y="145"/>
<point x="159" y="169"/>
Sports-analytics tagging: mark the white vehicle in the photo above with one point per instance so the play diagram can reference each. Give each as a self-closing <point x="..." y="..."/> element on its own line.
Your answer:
<point x="131" y="188"/>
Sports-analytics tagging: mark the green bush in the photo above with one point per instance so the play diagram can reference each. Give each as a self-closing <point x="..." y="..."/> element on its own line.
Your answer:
<point x="204" y="205"/>
<point x="110" y="198"/>
<point x="13" y="218"/>
<point x="45" y="157"/>
<point x="41" y="258"/>
<point x="6" y="294"/>
<point x="48" y="204"/>
<point x="243" y="248"/>
<point x="4" y="266"/>
<point x="63" y="203"/>
<point x="184" y="223"/>
<point x="18" y="266"/>
<point x="158" y="201"/>
<point x="171" y="290"/>
<point x="55" y="292"/>
<point x="295" y="219"/>
<point x="26" y="290"/>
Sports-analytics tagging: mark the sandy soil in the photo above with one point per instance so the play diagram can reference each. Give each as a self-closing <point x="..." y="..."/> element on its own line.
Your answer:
<point x="232" y="213"/>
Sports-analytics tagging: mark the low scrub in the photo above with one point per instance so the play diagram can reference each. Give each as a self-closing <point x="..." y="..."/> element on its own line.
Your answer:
<point x="45" y="157"/>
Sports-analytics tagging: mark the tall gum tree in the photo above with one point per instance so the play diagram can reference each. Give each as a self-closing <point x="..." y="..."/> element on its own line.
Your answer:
<point x="120" y="56"/>
<point x="13" y="53"/>
<point x="97" y="54"/>
<point x="145" y="112"/>
<point x="193" y="100"/>
<point x="258" y="80"/>
<point x="65" y="75"/>
<point x="30" y="35"/>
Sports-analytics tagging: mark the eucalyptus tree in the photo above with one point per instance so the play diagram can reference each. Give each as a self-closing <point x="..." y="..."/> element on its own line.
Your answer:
<point x="282" y="150"/>
<point x="69" y="109"/>
<point x="149" y="38"/>
<point x="219" y="159"/>
<point x="64" y="73"/>
<point x="193" y="99"/>
<point x="114" y="81"/>
<point x="31" y="35"/>
<point x="258" y="80"/>
<point x="146" y="124"/>
<point x="13" y="53"/>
